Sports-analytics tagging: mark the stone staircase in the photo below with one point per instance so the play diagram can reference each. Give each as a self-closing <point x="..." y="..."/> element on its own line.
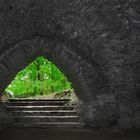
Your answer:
<point x="43" y="113"/>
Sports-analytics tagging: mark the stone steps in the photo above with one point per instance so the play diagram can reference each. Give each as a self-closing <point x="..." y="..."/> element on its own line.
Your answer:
<point x="43" y="113"/>
<point x="50" y="125"/>
<point x="46" y="118"/>
<point x="36" y="99"/>
<point x="21" y="108"/>
<point x="35" y="103"/>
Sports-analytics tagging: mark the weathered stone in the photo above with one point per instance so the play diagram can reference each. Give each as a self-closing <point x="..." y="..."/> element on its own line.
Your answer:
<point x="95" y="43"/>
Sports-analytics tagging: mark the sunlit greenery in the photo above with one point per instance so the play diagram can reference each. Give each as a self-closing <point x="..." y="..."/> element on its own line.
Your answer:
<point x="41" y="77"/>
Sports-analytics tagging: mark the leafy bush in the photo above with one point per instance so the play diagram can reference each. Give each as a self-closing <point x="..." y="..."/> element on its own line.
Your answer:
<point x="41" y="77"/>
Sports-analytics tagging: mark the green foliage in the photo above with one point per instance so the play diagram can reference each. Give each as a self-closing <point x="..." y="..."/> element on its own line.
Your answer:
<point x="41" y="77"/>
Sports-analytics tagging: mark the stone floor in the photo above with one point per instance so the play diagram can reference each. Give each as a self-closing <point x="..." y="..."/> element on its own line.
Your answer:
<point x="66" y="134"/>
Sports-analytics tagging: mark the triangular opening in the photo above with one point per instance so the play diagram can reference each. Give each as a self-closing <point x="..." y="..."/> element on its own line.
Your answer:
<point x="40" y="79"/>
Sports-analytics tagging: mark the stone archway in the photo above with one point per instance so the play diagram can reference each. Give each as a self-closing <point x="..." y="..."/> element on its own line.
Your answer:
<point x="78" y="71"/>
<point x="96" y="107"/>
<point x="92" y="42"/>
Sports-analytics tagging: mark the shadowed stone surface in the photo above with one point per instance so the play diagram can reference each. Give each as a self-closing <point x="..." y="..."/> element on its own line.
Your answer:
<point x="94" y="42"/>
<point x="69" y="134"/>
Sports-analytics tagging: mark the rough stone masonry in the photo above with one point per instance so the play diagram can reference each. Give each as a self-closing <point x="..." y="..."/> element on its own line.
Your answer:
<point x="96" y="43"/>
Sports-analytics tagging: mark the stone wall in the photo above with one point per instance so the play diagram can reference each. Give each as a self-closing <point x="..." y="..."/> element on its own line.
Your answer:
<point x="94" y="42"/>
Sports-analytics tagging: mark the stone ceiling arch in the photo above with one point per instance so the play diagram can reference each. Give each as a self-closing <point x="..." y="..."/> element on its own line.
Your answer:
<point x="78" y="71"/>
<point x="75" y="68"/>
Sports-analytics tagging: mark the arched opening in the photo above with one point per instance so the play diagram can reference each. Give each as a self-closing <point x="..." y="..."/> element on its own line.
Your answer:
<point x="69" y="63"/>
<point x="40" y="79"/>
<point x="41" y="96"/>
<point x="86" y="80"/>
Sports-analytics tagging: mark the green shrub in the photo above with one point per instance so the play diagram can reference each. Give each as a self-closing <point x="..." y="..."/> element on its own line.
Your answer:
<point x="41" y="77"/>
